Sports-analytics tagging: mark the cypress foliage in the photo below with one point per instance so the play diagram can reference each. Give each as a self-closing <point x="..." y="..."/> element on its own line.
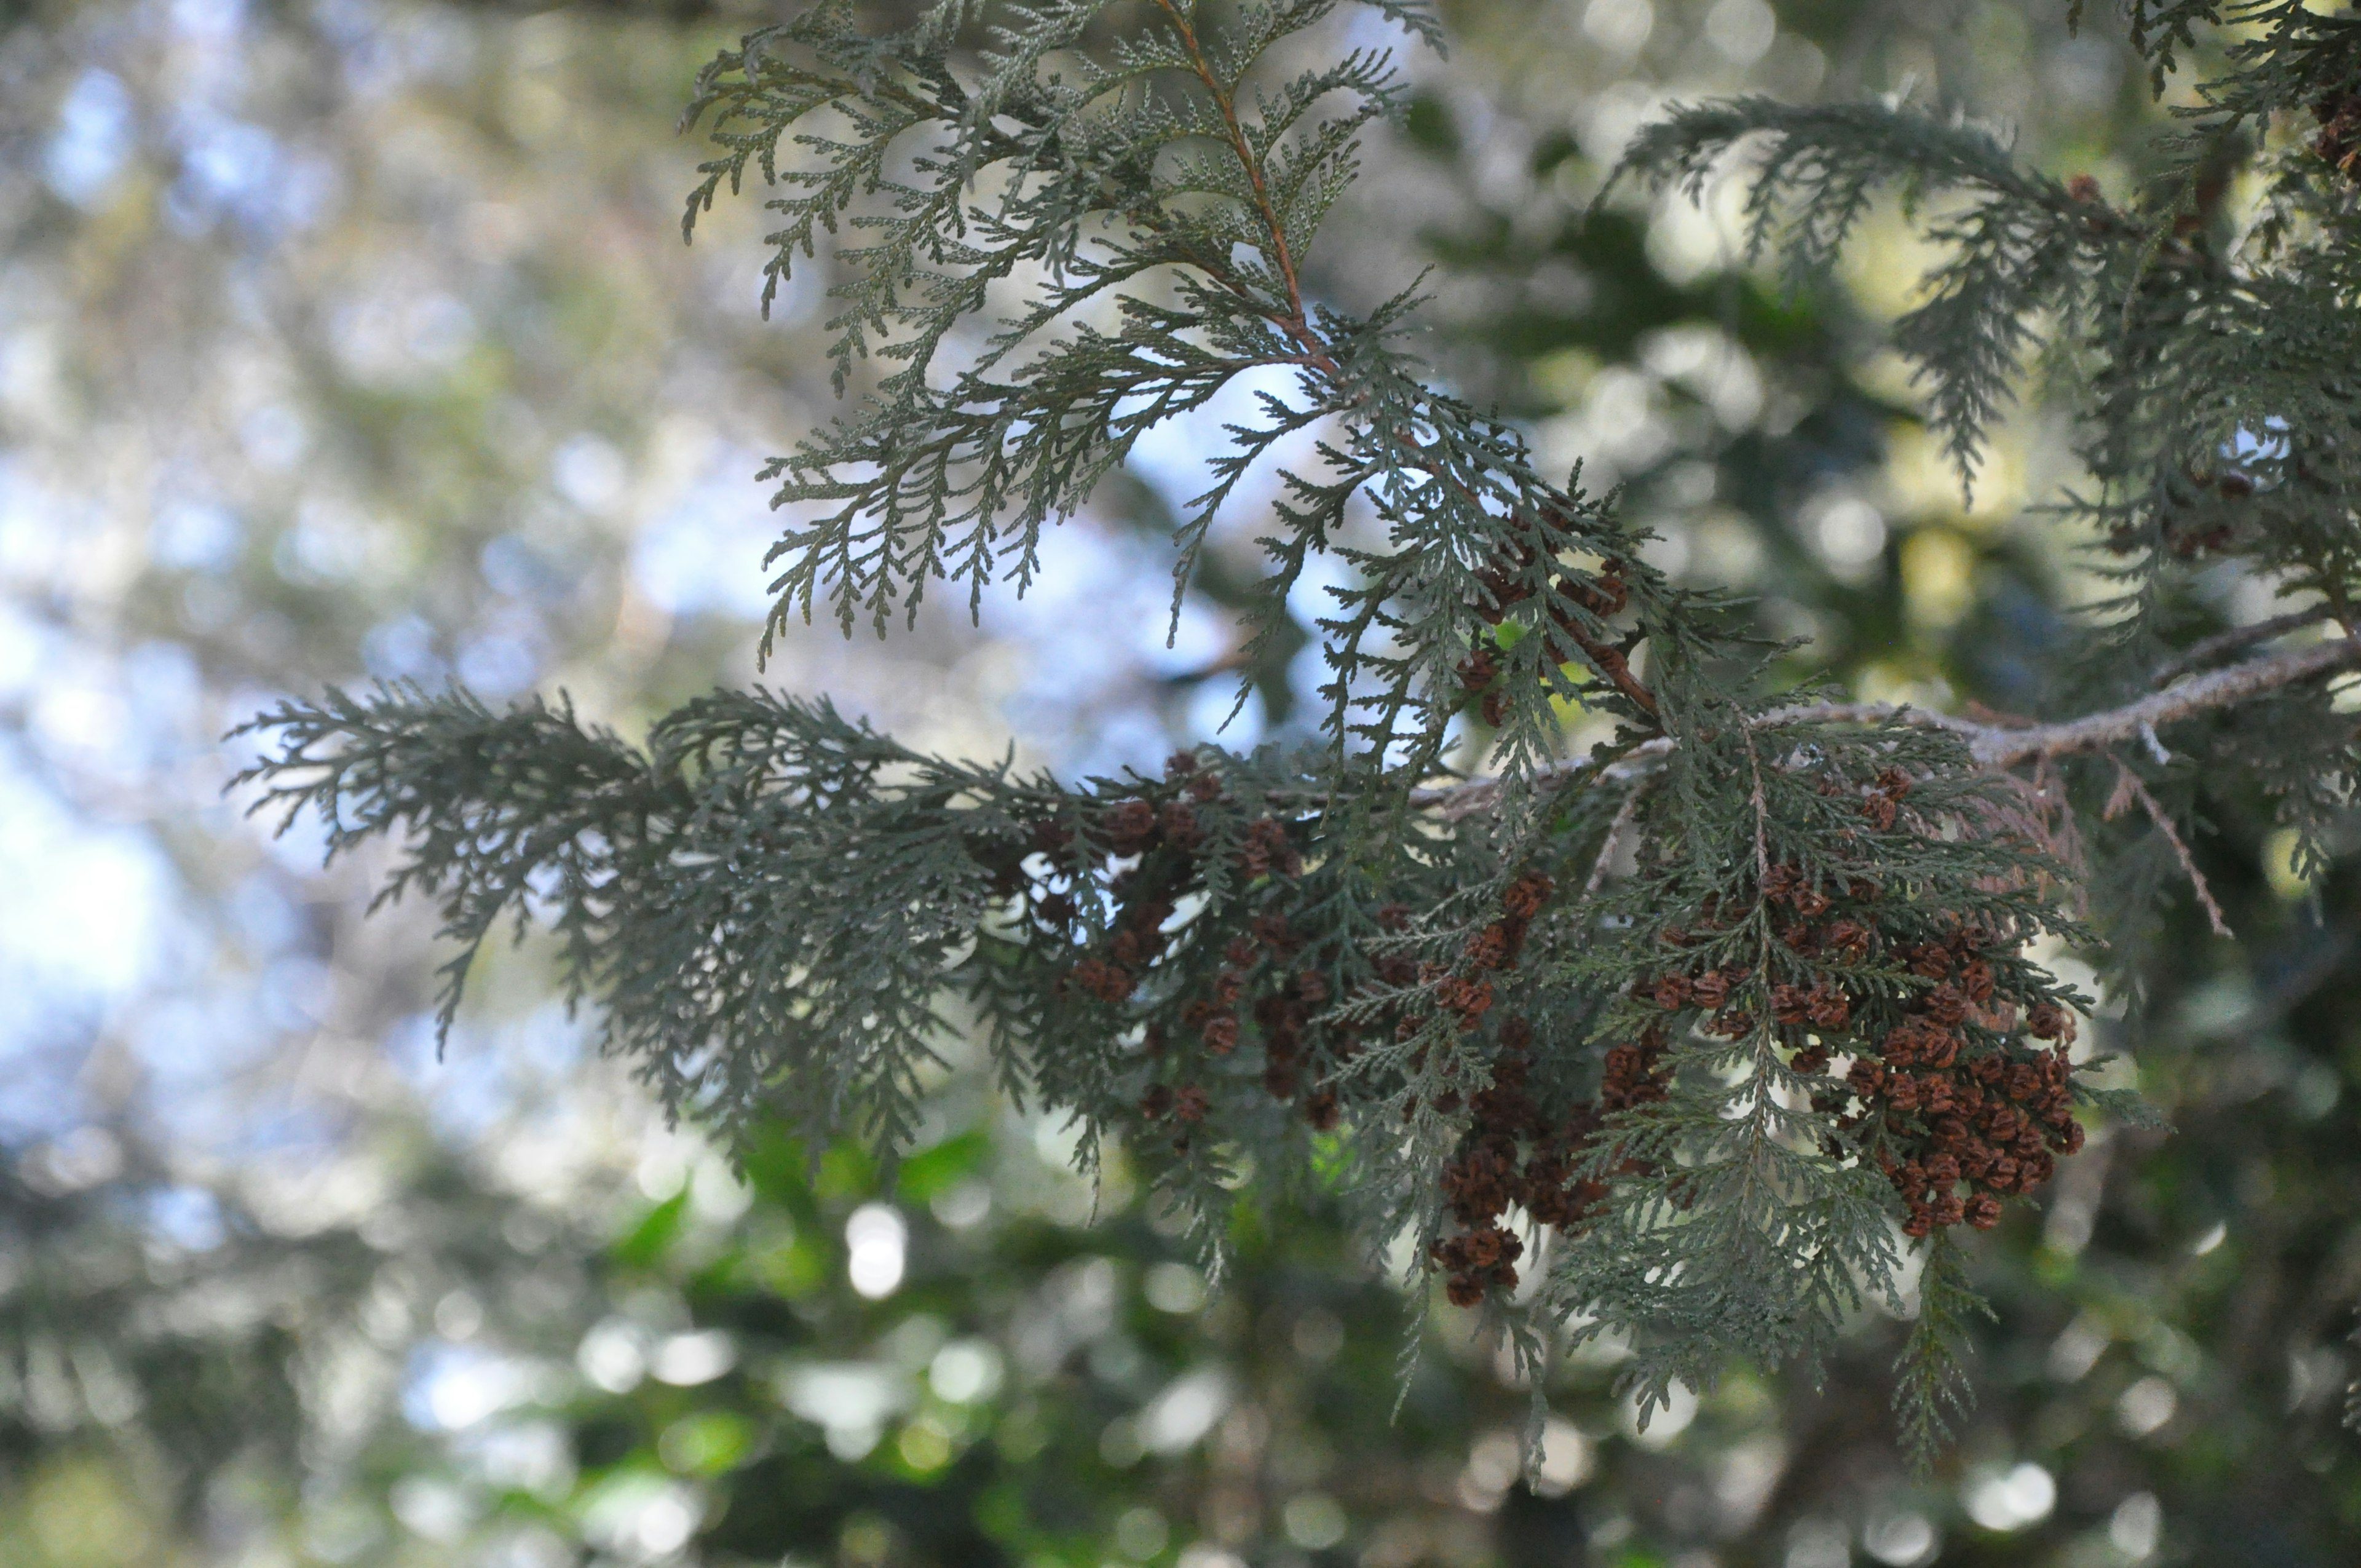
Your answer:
<point x="1695" y="1038"/>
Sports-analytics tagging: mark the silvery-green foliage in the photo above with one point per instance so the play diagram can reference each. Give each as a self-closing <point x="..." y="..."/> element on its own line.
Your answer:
<point x="1708" y="1028"/>
<point x="2209" y="347"/>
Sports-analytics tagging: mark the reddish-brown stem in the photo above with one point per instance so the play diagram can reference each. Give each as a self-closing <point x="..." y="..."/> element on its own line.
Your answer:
<point x="1296" y="321"/>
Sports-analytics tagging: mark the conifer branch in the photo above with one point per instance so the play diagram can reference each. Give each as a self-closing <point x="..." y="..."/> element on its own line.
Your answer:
<point x="1332" y="960"/>
<point x="2221" y="645"/>
<point x="1994" y="746"/>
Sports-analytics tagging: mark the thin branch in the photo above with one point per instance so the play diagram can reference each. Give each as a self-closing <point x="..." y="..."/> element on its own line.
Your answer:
<point x="2000" y="748"/>
<point x="2220" y="646"/>
<point x="1297" y="322"/>
<point x="1615" y="828"/>
<point x="2128" y="789"/>
<point x="1995" y="746"/>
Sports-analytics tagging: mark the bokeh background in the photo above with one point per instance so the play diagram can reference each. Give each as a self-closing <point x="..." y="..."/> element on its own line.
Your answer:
<point x="343" y="339"/>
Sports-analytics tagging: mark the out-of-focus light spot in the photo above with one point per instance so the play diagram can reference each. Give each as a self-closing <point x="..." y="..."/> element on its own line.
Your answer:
<point x="1620" y="26"/>
<point x="1141" y="1533"/>
<point x="1056" y="1139"/>
<point x="1938" y="576"/>
<point x="614" y="1355"/>
<point x="274" y="437"/>
<point x="1742" y="30"/>
<point x="1901" y="1541"/>
<point x="589" y="472"/>
<point x="965" y="1371"/>
<point x="664" y="1168"/>
<point x="1818" y="1543"/>
<point x="1197" y="639"/>
<point x="1621" y="419"/>
<point x="457" y="1316"/>
<point x="913" y="1342"/>
<point x="1494" y="1462"/>
<point x="2075" y="1351"/>
<point x="1848" y="533"/>
<point x="717" y="1196"/>
<point x="2279" y="864"/>
<point x="2137" y="1527"/>
<point x="638" y="1517"/>
<point x="874" y="1238"/>
<point x="1119" y="1442"/>
<point x="925" y="1445"/>
<point x="1568" y="1458"/>
<point x="1118" y="1359"/>
<point x="511" y="568"/>
<point x="1318" y="1336"/>
<point x="1215" y="713"/>
<point x="960" y="1207"/>
<point x="193" y="536"/>
<point x="1200" y="1555"/>
<point x="2215" y="1235"/>
<point x="531" y="1456"/>
<point x="1185" y="1410"/>
<point x="2012" y="1499"/>
<point x="1612" y="118"/>
<point x="212" y="21"/>
<point x="705" y="1443"/>
<point x="85" y="910"/>
<point x="664" y="1523"/>
<point x="2316" y="1090"/>
<point x="93" y="139"/>
<point x="228" y="164"/>
<point x="297" y="992"/>
<point x="499" y="663"/>
<point x="849" y="1399"/>
<point x="80" y="1158"/>
<point x="1713" y="366"/>
<point x="438" y="330"/>
<point x="402" y="650"/>
<point x="25" y="648"/>
<point x="436" y="1510"/>
<point x="688" y="1360"/>
<point x="705" y="552"/>
<point x="2146" y="1405"/>
<point x="1728" y="553"/>
<point x="2081" y="74"/>
<point x="80" y="712"/>
<point x="188" y="1217"/>
<point x="1314" y="1520"/>
<point x="453" y="1387"/>
<point x="1666" y="1422"/>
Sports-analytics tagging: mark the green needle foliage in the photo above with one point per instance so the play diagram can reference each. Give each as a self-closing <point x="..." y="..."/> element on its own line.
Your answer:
<point x="1695" y="1038"/>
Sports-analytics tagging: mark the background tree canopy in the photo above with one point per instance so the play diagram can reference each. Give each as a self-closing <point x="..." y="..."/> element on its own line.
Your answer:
<point x="352" y="341"/>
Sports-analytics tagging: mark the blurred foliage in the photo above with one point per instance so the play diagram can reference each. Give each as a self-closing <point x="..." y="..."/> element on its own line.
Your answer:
<point x="390" y="1329"/>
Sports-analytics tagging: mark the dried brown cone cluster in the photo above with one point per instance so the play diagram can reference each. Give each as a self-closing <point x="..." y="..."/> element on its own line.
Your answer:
<point x="1467" y="993"/>
<point x="2339" y="141"/>
<point x="1958" y="1118"/>
<point x="1604" y="596"/>
<point x="1166" y="838"/>
<point x="1945" y="1113"/>
<point x="1515" y="1151"/>
<point x="1957" y="1132"/>
<point x="2190" y="517"/>
<point x="1262" y="977"/>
